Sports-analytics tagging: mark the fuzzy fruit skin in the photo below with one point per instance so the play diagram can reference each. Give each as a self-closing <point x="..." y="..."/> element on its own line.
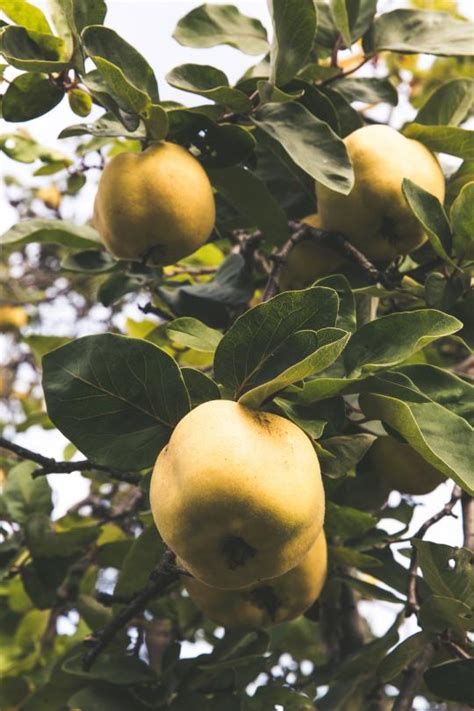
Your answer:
<point x="237" y="494"/>
<point x="157" y="203"/>
<point x="12" y="317"/>
<point x="270" y="602"/>
<point x="309" y="261"/>
<point x="402" y="468"/>
<point x="375" y="216"/>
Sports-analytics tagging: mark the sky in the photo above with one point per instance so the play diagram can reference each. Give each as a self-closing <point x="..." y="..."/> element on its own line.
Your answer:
<point x="148" y="25"/>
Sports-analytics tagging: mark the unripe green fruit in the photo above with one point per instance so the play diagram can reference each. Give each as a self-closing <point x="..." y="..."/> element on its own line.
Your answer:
<point x="80" y="102"/>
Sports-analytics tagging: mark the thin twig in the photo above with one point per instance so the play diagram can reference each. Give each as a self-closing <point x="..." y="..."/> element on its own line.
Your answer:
<point x="52" y="466"/>
<point x="164" y="575"/>
<point x="349" y="71"/>
<point x="447" y="510"/>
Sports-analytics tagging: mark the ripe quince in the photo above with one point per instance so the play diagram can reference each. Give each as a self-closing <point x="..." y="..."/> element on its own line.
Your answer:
<point x="270" y="602"/>
<point x="237" y="494"/>
<point x="375" y="216"/>
<point x="157" y="205"/>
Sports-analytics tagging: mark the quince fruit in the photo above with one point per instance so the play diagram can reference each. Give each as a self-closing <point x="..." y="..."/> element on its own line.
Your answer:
<point x="237" y="494"/>
<point x="375" y="216"/>
<point x="270" y="602"/>
<point x="157" y="205"/>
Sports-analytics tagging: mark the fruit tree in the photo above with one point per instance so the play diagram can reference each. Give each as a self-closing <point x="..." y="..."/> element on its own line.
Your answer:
<point x="236" y="372"/>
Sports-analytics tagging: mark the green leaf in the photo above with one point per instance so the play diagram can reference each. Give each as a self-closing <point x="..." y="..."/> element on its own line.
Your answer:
<point x="452" y="680"/>
<point x="103" y="42"/>
<point x="341" y="19"/>
<point x="25" y="14"/>
<point x="446" y="570"/>
<point x="121" y="670"/>
<point x="343" y="555"/>
<point x="309" y="419"/>
<point x="370" y="654"/>
<point x="399" y="658"/>
<point x="117" y="399"/>
<point x="444" y="387"/>
<point x="348" y="119"/>
<point x="462" y="221"/>
<point x="431" y="215"/>
<point x="270" y="697"/>
<point x="142" y="557"/>
<point x="192" y="333"/>
<point x="29" y="96"/>
<point x="448" y="105"/>
<point x="346" y="522"/>
<point x="309" y="142"/>
<point x="101" y="697"/>
<point x="33" y="51"/>
<point x="456" y="181"/>
<point x="441" y="437"/>
<point x="361" y="13"/>
<point x="127" y="96"/>
<point x="419" y="31"/>
<point x="346" y="451"/>
<point x="302" y="354"/>
<point x="200" y="387"/>
<point x="65" y="234"/>
<point x="209" y="82"/>
<point x="90" y="261"/>
<point x="44" y="542"/>
<point x="367" y="89"/>
<point x="117" y="286"/>
<point x="346" y="317"/>
<point x="322" y="388"/>
<point x="294" y="27"/>
<point x="105" y="126"/>
<point x="368" y="590"/>
<point x="392" y="339"/>
<point x="251" y="197"/>
<point x="443" y="139"/>
<point x="40" y="345"/>
<point x="87" y="12"/>
<point x="25" y="496"/>
<point x="209" y="25"/>
<point x="252" y="340"/>
<point x="214" y="302"/>
<point x="439" y="613"/>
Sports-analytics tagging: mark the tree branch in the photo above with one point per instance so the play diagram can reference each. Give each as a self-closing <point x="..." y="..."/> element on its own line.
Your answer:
<point x="301" y="232"/>
<point x="410" y="685"/>
<point x="165" y="574"/>
<point x="52" y="466"/>
<point x="467" y="503"/>
<point x="412" y="598"/>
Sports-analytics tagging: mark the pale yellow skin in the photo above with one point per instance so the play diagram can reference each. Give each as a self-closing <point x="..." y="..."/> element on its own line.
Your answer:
<point x="402" y="468"/>
<point x="309" y="261"/>
<point x="269" y="602"/>
<point x="237" y="494"/>
<point x="157" y="204"/>
<point x="375" y="216"/>
<point x="12" y="317"/>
